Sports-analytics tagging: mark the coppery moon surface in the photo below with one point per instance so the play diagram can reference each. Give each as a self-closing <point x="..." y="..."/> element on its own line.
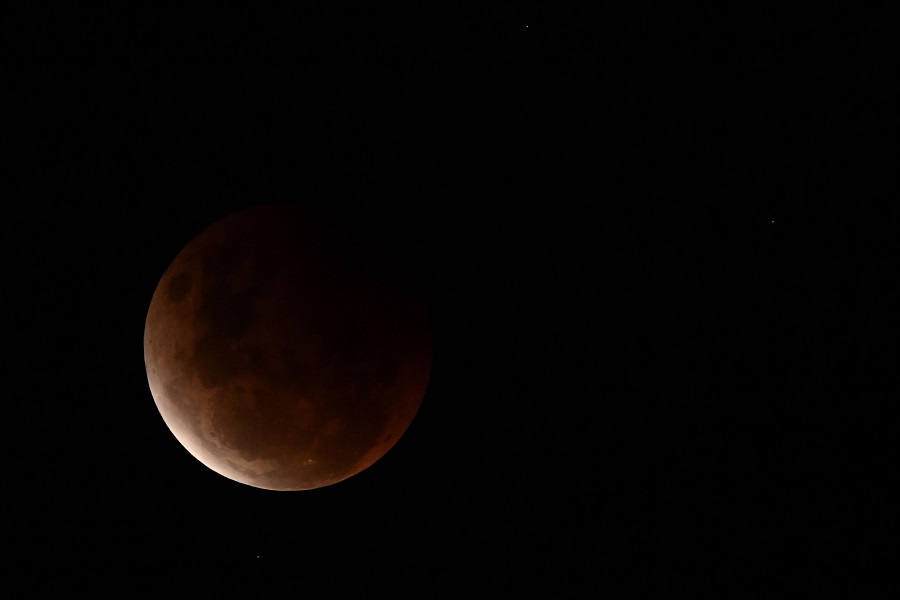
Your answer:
<point x="284" y="352"/>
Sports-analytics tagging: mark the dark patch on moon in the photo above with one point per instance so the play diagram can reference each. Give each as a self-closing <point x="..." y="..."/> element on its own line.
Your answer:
<point x="226" y="312"/>
<point x="179" y="287"/>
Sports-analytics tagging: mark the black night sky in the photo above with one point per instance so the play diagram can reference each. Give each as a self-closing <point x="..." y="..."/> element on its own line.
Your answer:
<point x="642" y="291"/>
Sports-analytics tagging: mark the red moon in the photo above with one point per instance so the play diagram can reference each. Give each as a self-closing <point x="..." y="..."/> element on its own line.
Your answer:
<point x="285" y="352"/>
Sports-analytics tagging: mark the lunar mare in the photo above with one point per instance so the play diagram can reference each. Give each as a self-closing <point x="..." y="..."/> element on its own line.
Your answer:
<point x="285" y="352"/>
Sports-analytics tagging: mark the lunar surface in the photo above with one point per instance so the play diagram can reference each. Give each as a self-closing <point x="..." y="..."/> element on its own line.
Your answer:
<point x="285" y="352"/>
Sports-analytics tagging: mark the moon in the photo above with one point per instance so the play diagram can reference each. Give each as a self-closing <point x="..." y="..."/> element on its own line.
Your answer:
<point x="286" y="350"/>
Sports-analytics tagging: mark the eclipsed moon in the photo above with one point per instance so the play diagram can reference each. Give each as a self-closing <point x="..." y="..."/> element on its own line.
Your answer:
<point x="285" y="351"/>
